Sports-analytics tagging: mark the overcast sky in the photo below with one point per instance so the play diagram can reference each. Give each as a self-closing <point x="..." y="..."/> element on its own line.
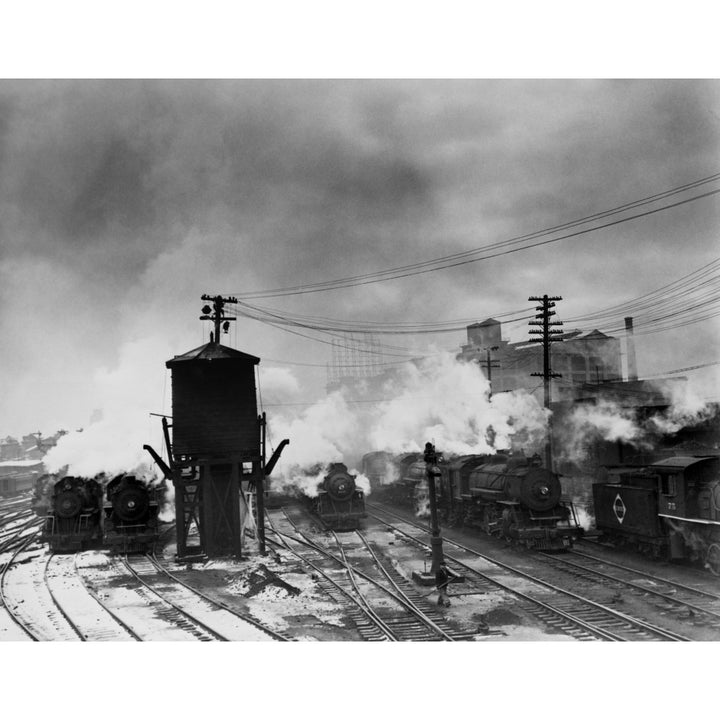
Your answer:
<point x="122" y="202"/>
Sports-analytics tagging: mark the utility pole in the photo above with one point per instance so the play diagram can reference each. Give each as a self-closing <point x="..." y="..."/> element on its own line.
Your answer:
<point x="548" y="336"/>
<point x="489" y="365"/>
<point x="217" y="314"/>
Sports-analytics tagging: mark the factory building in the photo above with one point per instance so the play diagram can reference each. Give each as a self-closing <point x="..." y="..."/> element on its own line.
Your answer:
<point x="583" y="358"/>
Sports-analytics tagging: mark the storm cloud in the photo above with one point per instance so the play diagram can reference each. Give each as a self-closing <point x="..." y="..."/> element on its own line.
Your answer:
<point x="121" y="202"/>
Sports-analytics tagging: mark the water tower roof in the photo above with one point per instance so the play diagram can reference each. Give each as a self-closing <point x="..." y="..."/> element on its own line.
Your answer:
<point x="213" y="351"/>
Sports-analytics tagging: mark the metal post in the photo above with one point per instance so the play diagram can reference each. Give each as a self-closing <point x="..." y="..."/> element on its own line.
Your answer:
<point x="432" y="471"/>
<point x="260" y="504"/>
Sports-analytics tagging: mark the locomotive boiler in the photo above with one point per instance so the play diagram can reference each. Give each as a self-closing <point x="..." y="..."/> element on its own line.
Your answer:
<point x="514" y="497"/>
<point x="130" y="514"/>
<point x="511" y="496"/>
<point x="72" y="514"/>
<point x="669" y="509"/>
<point x="340" y="503"/>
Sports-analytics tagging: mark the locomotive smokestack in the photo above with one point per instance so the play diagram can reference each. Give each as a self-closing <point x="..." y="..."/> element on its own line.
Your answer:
<point x="630" y="350"/>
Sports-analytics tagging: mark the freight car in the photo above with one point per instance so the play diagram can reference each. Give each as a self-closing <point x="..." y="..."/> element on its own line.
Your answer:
<point x="130" y="513"/>
<point x="18" y="476"/>
<point x="72" y="514"/>
<point x="340" y="503"/>
<point x="670" y="509"/>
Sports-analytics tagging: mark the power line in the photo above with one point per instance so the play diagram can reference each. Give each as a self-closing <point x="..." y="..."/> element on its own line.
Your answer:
<point x="468" y="256"/>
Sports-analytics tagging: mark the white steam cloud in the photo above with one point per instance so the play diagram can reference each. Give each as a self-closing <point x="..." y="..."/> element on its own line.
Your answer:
<point x="114" y="444"/>
<point x="438" y="399"/>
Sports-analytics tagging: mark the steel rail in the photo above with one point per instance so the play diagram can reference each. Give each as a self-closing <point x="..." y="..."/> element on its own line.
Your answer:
<point x="351" y="575"/>
<point x="12" y="614"/>
<point x="369" y="612"/>
<point x="398" y="598"/>
<point x="96" y="597"/>
<point x="656" y="578"/>
<point x="394" y="584"/>
<point x="57" y="604"/>
<point x="629" y="583"/>
<point x="648" y="627"/>
<point x="177" y="608"/>
<point x="217" y="603"/>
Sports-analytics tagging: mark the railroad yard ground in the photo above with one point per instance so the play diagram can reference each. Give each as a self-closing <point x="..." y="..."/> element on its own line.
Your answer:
<point x="283" y="593"/>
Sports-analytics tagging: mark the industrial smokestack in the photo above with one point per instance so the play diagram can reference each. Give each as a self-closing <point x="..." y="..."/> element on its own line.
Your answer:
<point x="630" y="350"/>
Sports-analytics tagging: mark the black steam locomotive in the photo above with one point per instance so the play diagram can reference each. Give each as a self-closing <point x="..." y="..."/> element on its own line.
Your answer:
<point x="340" y="504"/>
<point x="670" y="509"/>
<point x="80" y="513"/>
<point x="398" y="479"/>
<point x="510" y="496"/>
<point x="73" y="518"/>
<point x="130" y="512"/>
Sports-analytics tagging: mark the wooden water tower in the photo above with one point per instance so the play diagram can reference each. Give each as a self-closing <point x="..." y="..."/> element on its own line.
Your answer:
<point x="217" y="448"/>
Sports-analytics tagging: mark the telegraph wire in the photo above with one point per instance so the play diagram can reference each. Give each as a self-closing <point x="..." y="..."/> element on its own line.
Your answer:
<point x="466" y="257"/>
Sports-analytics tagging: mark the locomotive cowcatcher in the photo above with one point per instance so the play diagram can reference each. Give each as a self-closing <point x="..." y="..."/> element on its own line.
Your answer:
<point x="340" y="504"/>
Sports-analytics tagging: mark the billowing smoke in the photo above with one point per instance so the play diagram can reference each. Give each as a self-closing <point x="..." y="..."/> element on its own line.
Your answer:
<point x="447" y="402"/>
<point x="687" y="407"/>
<point x="438" y="399"/>
<point x="588" y="424"/>
<point x="114" y="443"/>
<point x="577" y="433"/>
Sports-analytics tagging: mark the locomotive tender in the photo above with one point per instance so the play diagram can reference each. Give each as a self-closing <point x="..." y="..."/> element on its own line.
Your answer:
<point x="340" y="503"/>
<point x="80" y="513"/>
<point x="510" y="496"/>
<point x="669" y="509"/>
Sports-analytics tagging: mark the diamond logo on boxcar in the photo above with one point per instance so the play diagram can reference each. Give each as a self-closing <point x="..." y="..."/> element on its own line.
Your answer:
<point x="619" y="508"/>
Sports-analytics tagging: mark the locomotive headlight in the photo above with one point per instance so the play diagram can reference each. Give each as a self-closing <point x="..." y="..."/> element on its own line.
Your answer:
<point x="434" y="470"/>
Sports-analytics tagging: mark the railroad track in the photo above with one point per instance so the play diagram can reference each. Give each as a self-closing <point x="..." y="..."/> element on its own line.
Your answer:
<point x="382" y="603"/>
<point x="219" y="605"/>
<point x="560" y="609"/>
<point x="670" y="594"/>
<point x="184" y="612"/>
<point x="15" y="515"/>
<point x="11" y="538"/>
<point x="28" y="596"/>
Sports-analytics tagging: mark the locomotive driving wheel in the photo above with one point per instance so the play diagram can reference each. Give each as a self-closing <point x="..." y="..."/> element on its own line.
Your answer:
<point x="712" y="559"/>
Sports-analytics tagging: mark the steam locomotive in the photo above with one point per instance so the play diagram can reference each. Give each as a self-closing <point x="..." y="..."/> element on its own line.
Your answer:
<point x="669" y="509"/>
<point x="397" y="479"/>
<point x="339" y="504"/>
<point x="79" y="513"/>
<point x="130" y="512"/>
<point x="510" y="496"/>
<point x="73" y="515"/>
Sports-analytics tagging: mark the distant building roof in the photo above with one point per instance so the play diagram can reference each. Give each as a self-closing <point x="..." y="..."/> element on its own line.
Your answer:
<point x="213" y="351"/>
<point x="485" y="323"/>
<point x="20" y="463"/>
